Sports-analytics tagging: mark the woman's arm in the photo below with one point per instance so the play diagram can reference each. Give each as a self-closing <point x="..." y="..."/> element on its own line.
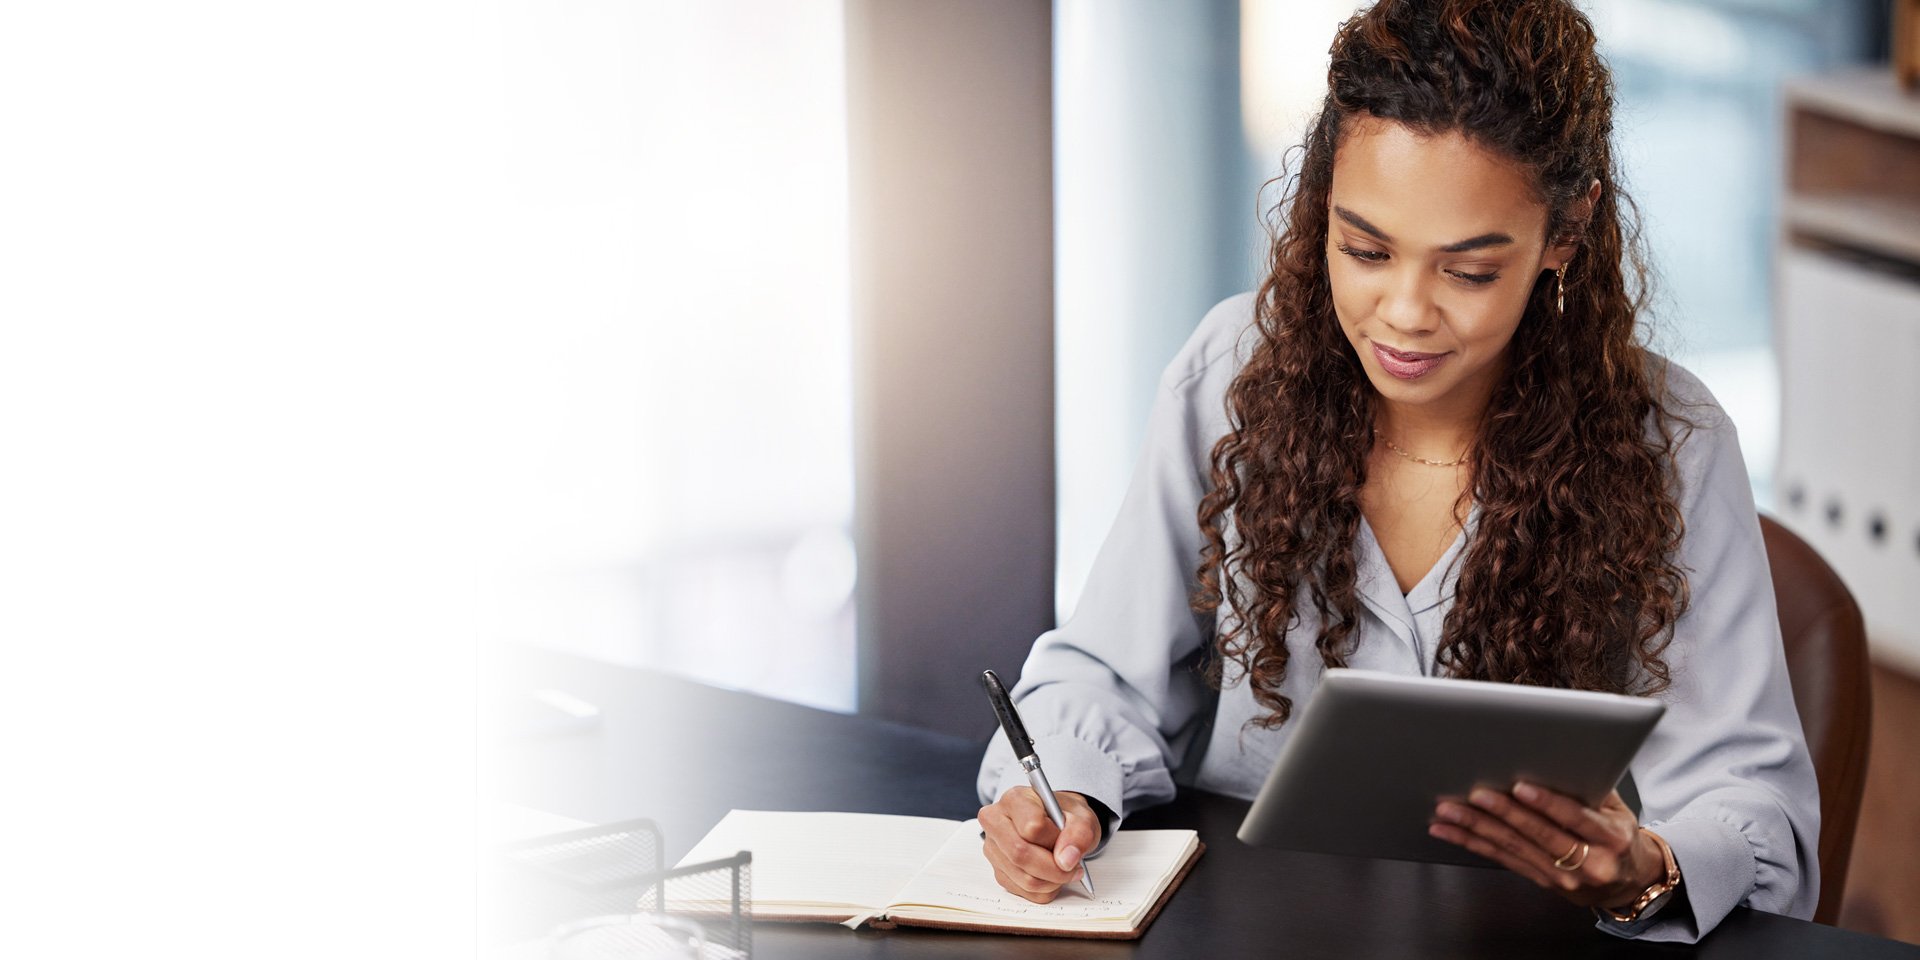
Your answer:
<point x="1111" y="696"/>
<point x="1726" y="778"/>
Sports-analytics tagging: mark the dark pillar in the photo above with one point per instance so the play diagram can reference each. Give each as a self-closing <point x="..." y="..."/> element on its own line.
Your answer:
<point x="950" y="157"/>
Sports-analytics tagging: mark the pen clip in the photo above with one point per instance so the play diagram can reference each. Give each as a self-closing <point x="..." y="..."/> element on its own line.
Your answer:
<point x="1009" y="718"/>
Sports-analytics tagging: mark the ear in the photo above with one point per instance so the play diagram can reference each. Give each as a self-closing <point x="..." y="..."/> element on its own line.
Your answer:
<point x="1558" y="254"/>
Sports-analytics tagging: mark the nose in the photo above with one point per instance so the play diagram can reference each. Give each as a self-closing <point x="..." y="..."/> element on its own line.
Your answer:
<point x="1406" y="304"/>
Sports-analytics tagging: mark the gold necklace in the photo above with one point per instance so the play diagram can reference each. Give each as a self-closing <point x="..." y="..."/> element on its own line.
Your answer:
<point x="1409" y="456"/>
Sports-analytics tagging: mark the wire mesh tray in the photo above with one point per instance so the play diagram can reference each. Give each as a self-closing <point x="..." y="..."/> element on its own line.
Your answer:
<point x="588" y="880"/>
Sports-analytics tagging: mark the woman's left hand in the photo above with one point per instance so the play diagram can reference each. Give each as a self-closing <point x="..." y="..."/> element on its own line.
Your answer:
<point x="1530" y="829"/>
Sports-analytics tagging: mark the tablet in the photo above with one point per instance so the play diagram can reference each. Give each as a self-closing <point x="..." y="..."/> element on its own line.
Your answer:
<point x="1373" y="752"/>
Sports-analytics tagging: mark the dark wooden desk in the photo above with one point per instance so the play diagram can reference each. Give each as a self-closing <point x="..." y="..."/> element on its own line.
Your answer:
<point x="683" y="754"/>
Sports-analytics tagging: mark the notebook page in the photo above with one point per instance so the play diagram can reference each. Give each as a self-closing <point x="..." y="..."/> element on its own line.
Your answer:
<point x="1128" y="875"/>
<point x="830" y="860"/>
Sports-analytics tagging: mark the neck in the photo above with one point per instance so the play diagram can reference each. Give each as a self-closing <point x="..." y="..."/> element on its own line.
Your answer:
<point x="1441" y="430"/>
<point x="1422" y="434"/>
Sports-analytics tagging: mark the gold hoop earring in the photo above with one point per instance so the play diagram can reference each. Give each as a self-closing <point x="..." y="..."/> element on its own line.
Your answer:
<point x="1560" y="290"/>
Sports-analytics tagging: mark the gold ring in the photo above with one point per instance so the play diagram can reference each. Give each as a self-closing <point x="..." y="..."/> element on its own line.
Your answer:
<point x="1566" y="861"/>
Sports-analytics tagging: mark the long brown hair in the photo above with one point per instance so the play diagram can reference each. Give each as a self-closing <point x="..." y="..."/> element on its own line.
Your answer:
<point x="1570" y="579"/>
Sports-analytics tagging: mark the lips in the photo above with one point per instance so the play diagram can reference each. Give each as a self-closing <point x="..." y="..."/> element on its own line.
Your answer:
<point x="1406" y="364"/>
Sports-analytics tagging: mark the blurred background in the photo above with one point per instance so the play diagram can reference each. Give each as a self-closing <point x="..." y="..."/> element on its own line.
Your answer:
<point x="681" y="174"/>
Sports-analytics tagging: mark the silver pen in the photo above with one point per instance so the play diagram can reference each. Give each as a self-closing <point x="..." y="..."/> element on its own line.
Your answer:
<point x="1029" y="760"/>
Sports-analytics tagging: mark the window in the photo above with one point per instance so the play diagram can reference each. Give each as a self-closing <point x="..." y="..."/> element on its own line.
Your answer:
<point x="681" y="223"/>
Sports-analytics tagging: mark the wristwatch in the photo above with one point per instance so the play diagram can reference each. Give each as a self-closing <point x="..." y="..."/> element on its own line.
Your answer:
<point x="1655" y="892"/>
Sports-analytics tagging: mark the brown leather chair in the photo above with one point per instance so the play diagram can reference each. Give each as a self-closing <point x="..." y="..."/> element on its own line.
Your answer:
<point x="1826" y="642"/>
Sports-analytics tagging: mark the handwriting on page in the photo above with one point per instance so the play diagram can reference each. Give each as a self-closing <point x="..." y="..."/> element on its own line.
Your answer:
<point x="1127" y="875"/>
<point x="1003" y="904"/>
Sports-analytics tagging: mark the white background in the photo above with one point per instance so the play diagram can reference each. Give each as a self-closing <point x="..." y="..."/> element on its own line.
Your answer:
<point x="249" y="298"/>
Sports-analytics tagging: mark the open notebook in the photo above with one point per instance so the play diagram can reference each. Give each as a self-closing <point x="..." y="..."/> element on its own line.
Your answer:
<point x="856" y="868"/>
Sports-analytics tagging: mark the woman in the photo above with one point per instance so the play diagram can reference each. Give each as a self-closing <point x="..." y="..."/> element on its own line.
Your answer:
<point x="1430" y="443"/>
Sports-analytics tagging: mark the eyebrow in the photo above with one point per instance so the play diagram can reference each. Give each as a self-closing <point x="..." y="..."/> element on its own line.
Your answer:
<point x="1473" y="243"/>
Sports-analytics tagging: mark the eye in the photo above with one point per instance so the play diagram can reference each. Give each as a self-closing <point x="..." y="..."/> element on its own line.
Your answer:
<point x="1364" y="256"/>
<point x="1380" y="256"/>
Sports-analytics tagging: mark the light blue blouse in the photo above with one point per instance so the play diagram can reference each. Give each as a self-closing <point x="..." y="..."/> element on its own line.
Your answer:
<point x="1119" y="713"/>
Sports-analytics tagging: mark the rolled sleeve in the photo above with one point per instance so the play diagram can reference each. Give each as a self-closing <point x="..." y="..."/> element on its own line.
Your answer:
<point x="1719" y="862"/>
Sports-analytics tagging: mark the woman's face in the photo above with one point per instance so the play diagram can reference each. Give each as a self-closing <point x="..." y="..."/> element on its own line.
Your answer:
<point x="1433" y="245"/>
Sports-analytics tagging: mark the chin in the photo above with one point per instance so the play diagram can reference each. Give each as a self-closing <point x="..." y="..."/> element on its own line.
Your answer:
<point x="1426" y="388"/>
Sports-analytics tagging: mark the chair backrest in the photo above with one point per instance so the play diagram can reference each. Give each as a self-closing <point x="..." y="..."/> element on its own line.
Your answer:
<point x="1827" y="663"/>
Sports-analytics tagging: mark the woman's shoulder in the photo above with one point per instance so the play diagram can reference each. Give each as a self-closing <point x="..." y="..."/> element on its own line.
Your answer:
<point x="1685" y="399"/>
<point x="1215" y="351"/>
<point x="1684" y="405"/>
<point x="1705" y="447"/>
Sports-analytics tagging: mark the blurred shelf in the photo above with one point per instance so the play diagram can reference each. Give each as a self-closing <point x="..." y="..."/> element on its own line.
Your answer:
<point x="1853" y="164"/>
<point x="1847" y="331"/>
<point x="1889" y="226"/>
<point x="1867" y="96"/>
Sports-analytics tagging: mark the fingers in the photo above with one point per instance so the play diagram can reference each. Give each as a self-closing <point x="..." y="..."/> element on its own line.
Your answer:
<point x="1540" y="835"/>
<point x="1021" y="843"/>
<point x="1529" y="838"/>
<point x="1016" y="881"/>
<point x="1486" y="848"/>
<point x="1513" y="848"/>
<point x="1081" y="834"/>
<point x="1612" y="826"/>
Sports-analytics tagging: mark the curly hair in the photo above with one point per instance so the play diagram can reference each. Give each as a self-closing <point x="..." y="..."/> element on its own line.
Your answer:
<point x="1570" y="579"/>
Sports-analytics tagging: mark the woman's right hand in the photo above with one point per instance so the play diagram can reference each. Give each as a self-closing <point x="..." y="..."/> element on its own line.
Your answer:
<point x="1031" y="857"/>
